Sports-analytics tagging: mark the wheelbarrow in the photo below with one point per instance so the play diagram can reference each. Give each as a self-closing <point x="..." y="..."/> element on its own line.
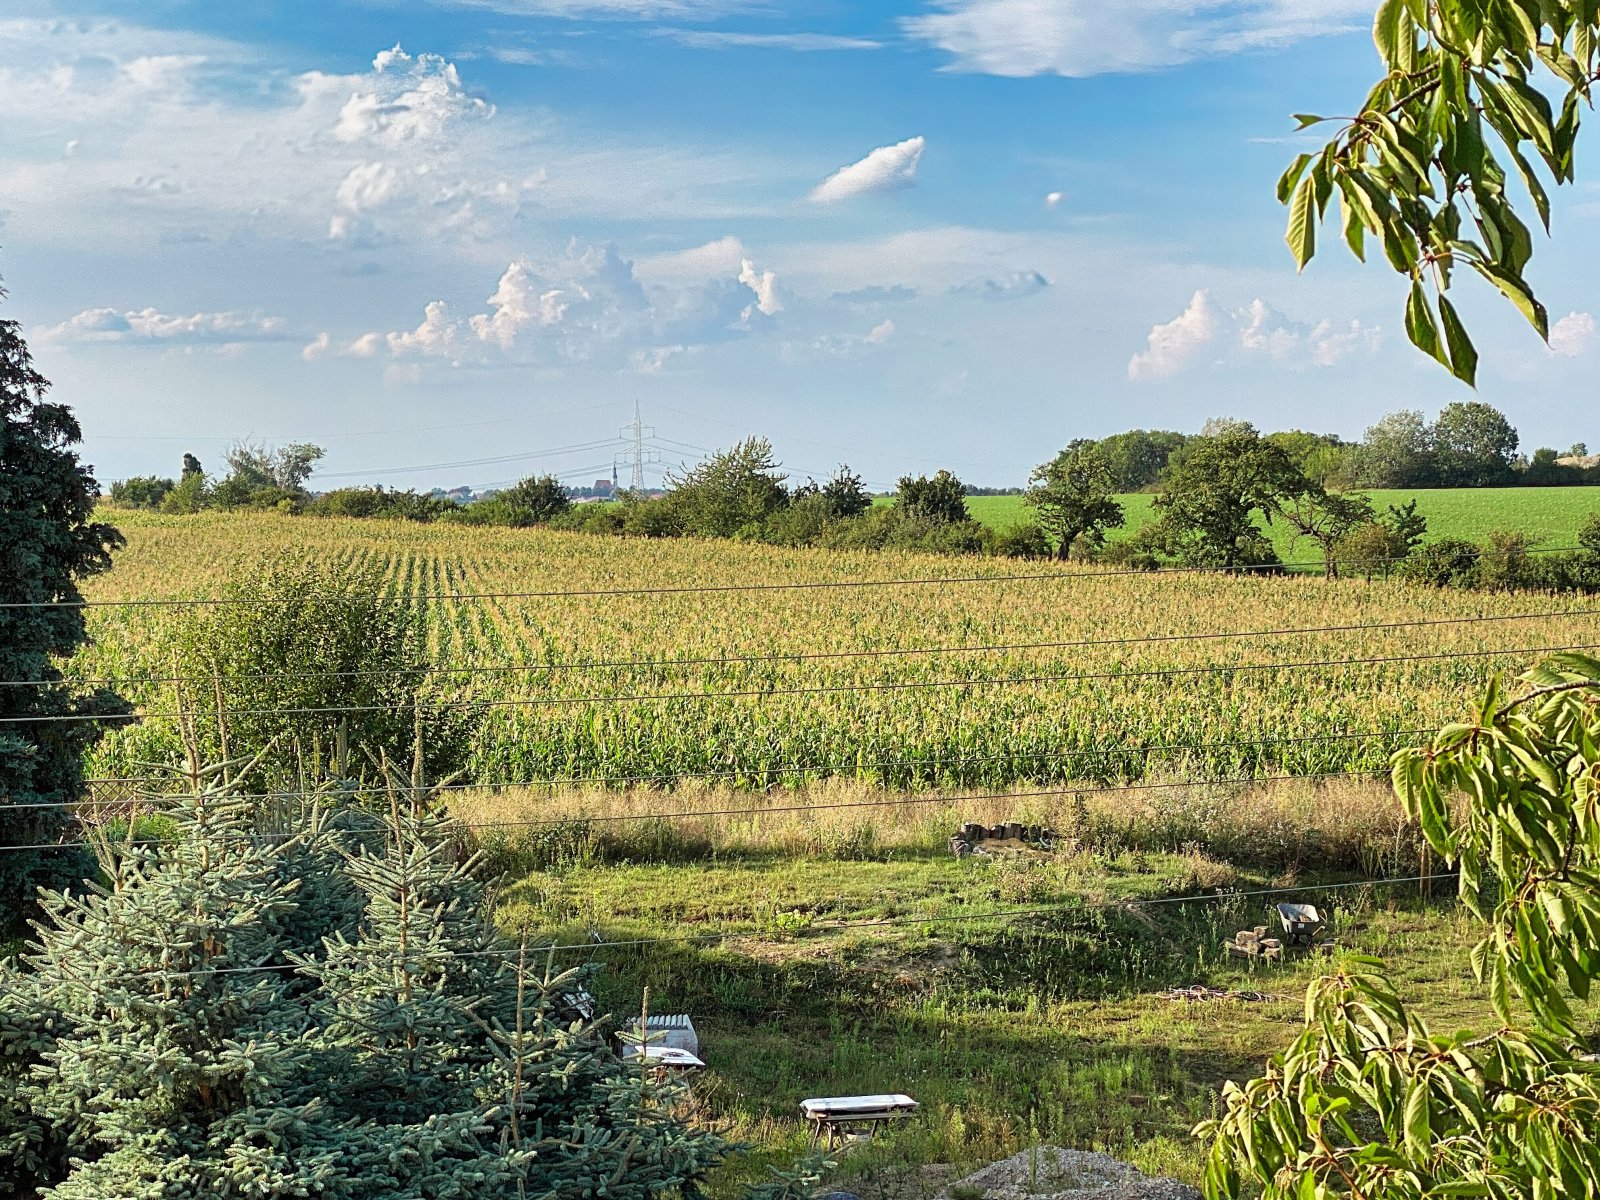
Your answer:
<point x="1302" y="923"/>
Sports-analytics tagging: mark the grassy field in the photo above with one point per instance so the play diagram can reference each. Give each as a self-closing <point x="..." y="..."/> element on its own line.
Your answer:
<point x="890" y="684"/>
<point x="841" y="952"/>
<point x="1550" y="514"/>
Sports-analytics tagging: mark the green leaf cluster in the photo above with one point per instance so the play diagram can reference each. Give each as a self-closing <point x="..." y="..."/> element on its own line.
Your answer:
<point x="1368" y="1100"/>
<point x="1473" y="94"/>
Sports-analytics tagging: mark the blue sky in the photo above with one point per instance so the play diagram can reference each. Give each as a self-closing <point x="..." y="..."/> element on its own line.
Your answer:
<point x="905" y="234"/>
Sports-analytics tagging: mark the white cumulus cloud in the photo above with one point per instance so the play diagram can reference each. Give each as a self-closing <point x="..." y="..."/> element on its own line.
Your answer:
<point x="1572" y="335"/>
<point x="588" y="305"/>
<point x="1256" y="332"/>
<point x="765" y="286"/>
<point x="411" y="99"/>
<point x="367" y="187"/>
<point x="435" y="336"/>
<point x="365" y="346"/>
<point x="589" y="295"/>
<point x="1170" y="346"/>
<point x="1091" y="37"/>
<point x="885" y="168"/>
<point x="1263" y="330"/>
<point x="1053" y="199"/>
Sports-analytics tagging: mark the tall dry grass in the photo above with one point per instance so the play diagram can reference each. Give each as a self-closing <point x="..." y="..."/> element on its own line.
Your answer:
<point x="1285" y="827"/>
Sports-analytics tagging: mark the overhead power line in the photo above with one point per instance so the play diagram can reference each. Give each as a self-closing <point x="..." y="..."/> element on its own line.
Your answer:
<point x="823" y="689"/>
<point x="654" y="664"/>
<point x="825" y="928"/>
<point x="166" y="799"/>
<point x="817" y="768"/>
<point x="553" y="452"/>
<point x="1243" y="569"/>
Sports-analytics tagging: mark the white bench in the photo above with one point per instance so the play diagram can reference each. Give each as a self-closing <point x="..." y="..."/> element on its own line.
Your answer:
<point x="835" y="1116"/>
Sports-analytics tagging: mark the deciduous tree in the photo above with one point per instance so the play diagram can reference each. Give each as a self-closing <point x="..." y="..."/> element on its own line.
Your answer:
<point x="732" y="490"/>
<point x="541" y="498"/>
<point x="1211" y="500"/>
<point x="1474" y="445"/>
<point x="1326" y="518"/>
<point x="1072" y="495"/>
<point x="1397" y="452"/>
<point x="940" y="499"/>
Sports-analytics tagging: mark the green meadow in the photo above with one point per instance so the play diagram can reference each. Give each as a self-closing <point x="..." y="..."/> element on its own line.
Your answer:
<point x="1551" y="514"/>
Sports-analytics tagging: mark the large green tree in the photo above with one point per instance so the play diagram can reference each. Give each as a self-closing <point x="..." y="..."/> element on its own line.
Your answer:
<point x="1474" y="94"/>
<point x="536" y="499"/>
<point x="1138" y="457"/>
<point x="1475" y="445"/>
<point x="1213" y="498"/>
<point x="1397" y="452"/>
<point x="1072" y="495"/>
<point x="731" y="491"/>
<point x="938" y="499"/>
<point x="49" y="540"/>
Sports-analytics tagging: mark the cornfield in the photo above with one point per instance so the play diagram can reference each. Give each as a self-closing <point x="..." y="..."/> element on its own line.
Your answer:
<point x="615" y="687"/>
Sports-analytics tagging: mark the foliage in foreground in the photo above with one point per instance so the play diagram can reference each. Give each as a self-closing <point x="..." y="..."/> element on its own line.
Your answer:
<point x="48" y="542"/>
<point x="1465" y="100"/>
<point x="1371" y="1102"/>
<point x="393" y="1044"/>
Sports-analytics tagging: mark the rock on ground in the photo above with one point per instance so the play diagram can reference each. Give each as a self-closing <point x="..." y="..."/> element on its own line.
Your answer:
<point x="1051" y="1173"/>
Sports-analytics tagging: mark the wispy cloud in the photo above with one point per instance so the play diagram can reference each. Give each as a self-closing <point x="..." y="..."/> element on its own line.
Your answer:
<point x="1091" y="37"/>
<point x="209" y="140"/>
<point x="654" y="10"/>
<point x="722" y="39"/>
<point x="1004" y="287"/>
<point x="152" y="327"/>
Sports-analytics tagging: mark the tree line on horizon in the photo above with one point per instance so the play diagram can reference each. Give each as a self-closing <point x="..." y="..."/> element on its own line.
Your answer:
<point x="1469" y="444"/>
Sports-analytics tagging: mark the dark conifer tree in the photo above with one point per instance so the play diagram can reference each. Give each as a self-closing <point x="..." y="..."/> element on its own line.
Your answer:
<point x="48" y="541"/>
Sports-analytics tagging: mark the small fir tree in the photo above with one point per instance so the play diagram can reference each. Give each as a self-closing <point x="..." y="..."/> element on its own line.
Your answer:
<point x="242" y="1013"/>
